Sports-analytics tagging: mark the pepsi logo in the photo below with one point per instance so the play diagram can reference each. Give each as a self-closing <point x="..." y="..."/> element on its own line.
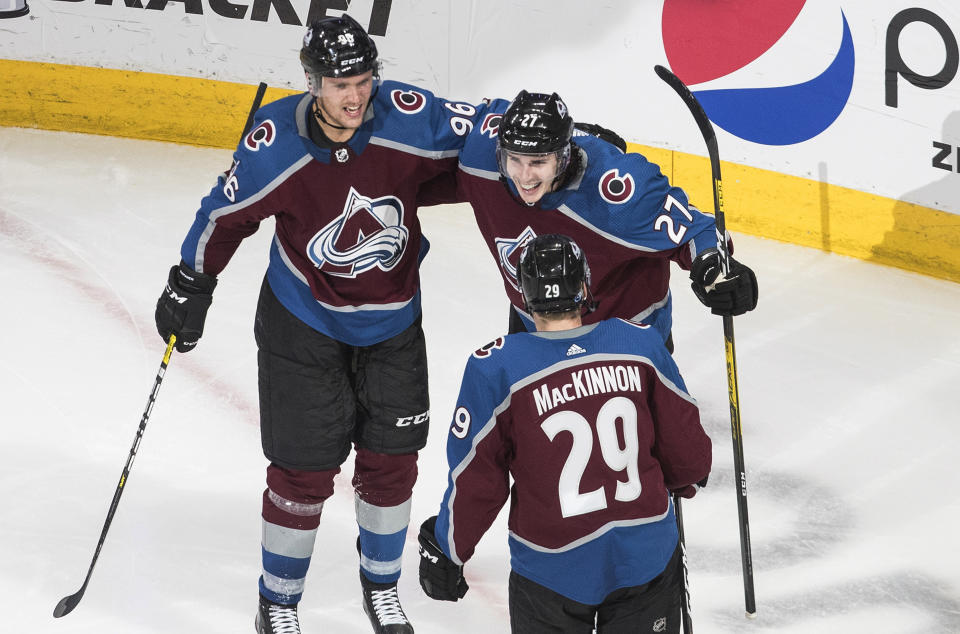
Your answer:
<point x="774" y="73"/>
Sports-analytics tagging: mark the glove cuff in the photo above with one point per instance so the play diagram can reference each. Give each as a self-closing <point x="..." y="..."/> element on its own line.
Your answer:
<point x="706" y="269"/>
<point x="193" y="281"/>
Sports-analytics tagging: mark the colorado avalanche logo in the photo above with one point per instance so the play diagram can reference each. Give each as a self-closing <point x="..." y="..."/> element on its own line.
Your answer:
<point x="614" y="188"/>
<point x="488" y="349"/>
<point x="262" y="135"/>
<point x="508" y="250"/>
<point x="369" y="233"/>
<point x="408" y="101"/>
<point x="491" y="125"/>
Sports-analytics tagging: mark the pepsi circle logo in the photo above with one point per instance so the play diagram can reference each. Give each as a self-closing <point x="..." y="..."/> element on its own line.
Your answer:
<point x="712" y="41"/>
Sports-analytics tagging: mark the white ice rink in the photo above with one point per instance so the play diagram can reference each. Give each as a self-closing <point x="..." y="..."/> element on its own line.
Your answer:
<point x="849" y="378"/>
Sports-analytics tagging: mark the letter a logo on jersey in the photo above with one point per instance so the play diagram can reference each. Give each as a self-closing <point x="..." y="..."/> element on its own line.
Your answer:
<point x="369" y="233"/>
<point x="508" y="251"/>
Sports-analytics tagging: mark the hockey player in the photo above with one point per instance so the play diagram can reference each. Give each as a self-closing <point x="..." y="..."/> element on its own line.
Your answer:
<point x="341" y="351"/>
<point x="596" y="428"/>
<point x="525" y="174"/>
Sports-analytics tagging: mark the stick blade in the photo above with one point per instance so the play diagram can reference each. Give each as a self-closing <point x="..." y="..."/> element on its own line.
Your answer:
<point x="67" y="604"/>
<point x="662" y="72"/>
<point x="699" y="115"/>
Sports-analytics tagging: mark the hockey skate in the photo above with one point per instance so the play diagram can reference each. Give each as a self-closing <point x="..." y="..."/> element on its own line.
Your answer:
<point x="274" y="618"/>
<point x="382" y="605"/>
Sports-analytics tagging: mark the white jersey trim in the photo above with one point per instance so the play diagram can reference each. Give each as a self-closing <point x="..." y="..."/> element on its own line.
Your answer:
<point x="570" y="213"/>
<point x="606" y="528"/>
<point x="229" y="209"/>
<point x="480" y="173"/>
<point x="410" y="149"/>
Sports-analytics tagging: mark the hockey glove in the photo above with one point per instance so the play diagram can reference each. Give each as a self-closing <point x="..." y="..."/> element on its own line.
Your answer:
<point x="691" y="489"/>
<point x="440" y="578"/>
<point x="611" y="137"/>
<point x="182" y="307"/>
<point x="733" y="295"/>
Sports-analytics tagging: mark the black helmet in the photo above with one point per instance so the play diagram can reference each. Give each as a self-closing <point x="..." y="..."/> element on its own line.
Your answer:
<point x="553" y="271"/>
<point x="338" y="47"/>
<point x="536" y="123"/>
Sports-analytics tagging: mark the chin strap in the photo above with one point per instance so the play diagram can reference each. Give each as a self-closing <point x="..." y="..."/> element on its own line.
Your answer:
<point x="318" y="113"/>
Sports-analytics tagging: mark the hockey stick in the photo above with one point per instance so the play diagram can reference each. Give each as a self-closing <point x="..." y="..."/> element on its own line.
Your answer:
<point x="685" y="612"/>
<point x="706" y="129"/>
<point x="67" y="604"/>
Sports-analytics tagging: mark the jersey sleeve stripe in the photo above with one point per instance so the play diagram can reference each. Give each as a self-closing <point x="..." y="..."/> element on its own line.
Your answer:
<point x="480" y="173"/>
<point x="216" y="214"/>
<point x="410" y="149"/>
<point x="649" y="310"/>
<point x="462" y="466"/>
<point x="570" y="213"/>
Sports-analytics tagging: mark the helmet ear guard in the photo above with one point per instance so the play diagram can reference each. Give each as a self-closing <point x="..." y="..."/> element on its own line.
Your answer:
<point x="554" y="275"/>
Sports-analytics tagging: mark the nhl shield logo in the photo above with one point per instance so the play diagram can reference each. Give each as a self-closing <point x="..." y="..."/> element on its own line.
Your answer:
<point x="342" y="155"/>
<point x="368" y="234"/>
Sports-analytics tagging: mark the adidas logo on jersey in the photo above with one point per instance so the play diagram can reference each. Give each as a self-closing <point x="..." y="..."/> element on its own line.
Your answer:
<point x="574" y="349"/>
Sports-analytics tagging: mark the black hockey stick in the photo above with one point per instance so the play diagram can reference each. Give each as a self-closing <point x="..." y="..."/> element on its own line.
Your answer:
<point x="706" y="129"/>
<point x="67" y="604"/>
<point x="685" y="612"/>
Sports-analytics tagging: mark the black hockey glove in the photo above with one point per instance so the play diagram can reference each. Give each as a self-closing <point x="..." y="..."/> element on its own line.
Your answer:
<point x="691" y="489"/>
<point x="182" y="307"/>
<point x="440" y="578"/>
<point x="611" y="137"/>
<point x="733" y="295"/>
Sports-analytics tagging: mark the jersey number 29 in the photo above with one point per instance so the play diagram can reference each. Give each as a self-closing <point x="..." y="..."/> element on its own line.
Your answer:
<point x="618" y="458"/>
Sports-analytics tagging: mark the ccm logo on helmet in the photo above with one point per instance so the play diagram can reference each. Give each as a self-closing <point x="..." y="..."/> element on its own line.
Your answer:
<point x="262" y="135"/>
<point x="614" y="188"/>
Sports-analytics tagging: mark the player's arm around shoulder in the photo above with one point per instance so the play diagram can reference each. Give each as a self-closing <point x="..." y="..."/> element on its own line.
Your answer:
<point x="480" y="146"/>
<point x="421" y="119"/>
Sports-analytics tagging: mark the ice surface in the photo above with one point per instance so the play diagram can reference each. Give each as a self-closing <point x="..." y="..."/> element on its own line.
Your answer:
<point x="848" y="372"/>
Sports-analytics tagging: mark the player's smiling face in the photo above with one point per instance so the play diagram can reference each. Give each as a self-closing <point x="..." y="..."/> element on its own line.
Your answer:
<point x="344" y="100"/>
<point x="533" y="174"/>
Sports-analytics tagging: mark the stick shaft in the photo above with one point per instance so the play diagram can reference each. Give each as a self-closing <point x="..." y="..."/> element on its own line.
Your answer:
<point x="710" y="137"/>
<point x="68" y="603"/>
